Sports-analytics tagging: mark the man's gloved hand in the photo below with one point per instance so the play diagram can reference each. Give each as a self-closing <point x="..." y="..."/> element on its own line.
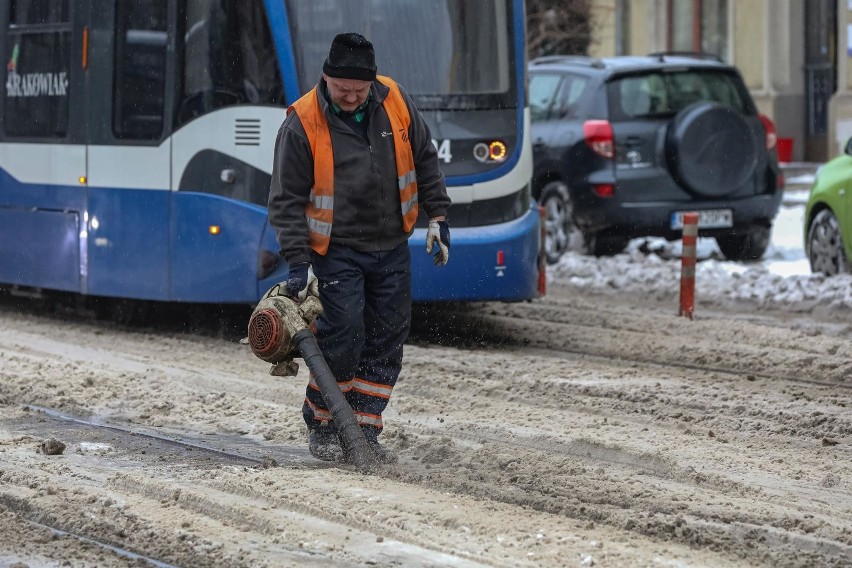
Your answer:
<point x="298" y="280"/>
<point x="439" y="232"/>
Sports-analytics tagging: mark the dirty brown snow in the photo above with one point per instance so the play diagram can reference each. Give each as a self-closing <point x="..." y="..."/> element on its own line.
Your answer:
<point x="575" y="430"/>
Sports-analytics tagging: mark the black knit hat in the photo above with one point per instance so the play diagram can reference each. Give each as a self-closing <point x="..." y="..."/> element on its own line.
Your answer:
<point x="351" y="57"/>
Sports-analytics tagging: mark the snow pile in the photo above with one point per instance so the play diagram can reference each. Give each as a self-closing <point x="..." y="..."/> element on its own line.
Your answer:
<point x="760" y="285"/>
<point x="652" y="267"/>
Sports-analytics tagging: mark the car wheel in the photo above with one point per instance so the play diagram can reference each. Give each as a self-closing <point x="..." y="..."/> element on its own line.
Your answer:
<point x="604" y="245"/>
<point x="561" y="234"/>
<point x="825" y="245"/>
<point x="745" y="245"/>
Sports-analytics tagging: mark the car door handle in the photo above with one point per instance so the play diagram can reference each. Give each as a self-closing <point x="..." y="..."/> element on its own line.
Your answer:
<point x="633" y="141"/>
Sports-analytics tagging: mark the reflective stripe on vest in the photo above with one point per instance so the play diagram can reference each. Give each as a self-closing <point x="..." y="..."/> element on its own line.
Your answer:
<point x="320" y="208"/>
<point x="400" y="120"/>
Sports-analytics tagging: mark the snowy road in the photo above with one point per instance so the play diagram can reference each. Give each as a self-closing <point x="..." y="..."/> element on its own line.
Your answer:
<point x="592" y="427"/>
<point x="577" y="430"/>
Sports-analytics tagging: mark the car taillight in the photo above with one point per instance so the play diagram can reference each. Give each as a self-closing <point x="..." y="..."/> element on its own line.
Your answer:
<point x="604" y="189"/>
<point x="598" y="136"/>
<point x="769" y="127"/>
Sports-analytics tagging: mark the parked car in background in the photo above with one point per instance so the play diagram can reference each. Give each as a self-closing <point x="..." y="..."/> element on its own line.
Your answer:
<point x="623" y="146"/>
<point x="828" y="217"/>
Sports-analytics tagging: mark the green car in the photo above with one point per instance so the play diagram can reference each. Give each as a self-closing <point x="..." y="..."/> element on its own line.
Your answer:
<point x="828" y="217"/>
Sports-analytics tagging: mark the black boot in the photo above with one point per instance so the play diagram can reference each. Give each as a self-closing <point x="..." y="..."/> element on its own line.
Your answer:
<point x="324" y="443"/>
<point x="383" y="454"/>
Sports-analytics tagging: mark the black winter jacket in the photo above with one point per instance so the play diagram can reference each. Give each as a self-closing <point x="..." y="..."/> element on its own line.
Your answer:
<point x="367" y="213"/>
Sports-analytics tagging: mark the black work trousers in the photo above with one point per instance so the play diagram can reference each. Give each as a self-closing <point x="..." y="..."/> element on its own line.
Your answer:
<point x="366" y="300"/>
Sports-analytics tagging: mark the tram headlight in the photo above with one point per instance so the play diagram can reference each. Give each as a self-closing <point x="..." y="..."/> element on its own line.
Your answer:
<point x="480" y="152"/>
<point x="494" y="151"/>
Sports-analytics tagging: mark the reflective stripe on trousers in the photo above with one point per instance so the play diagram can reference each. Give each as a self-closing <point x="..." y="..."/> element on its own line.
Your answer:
<point x="366" y="298"/>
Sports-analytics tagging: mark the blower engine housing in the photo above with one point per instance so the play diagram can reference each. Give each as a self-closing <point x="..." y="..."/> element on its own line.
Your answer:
<point x="274" y="322"/>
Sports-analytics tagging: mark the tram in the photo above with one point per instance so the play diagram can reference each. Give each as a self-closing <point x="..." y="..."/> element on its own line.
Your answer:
<point x="136" y="140"/>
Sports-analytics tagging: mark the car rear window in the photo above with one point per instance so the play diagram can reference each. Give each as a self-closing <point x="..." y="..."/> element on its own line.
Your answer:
<point x="664" y="93"/>
<point x="542" y="94"/>
<point x="555" y="95"/>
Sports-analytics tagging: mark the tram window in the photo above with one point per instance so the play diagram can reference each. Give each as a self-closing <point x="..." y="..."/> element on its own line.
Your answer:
<point x="38" y="12"/>
<point x="141" y="41"/>
<point x="229" y="58"/>
<point x="38" y="47"/>
<point x="433" y="48"/>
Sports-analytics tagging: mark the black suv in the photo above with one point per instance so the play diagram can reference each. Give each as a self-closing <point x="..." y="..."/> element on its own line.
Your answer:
<point x="623" y="146"/>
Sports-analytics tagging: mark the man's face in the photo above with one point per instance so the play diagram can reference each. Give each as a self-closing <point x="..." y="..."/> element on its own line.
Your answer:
<point x="348" y="94"/>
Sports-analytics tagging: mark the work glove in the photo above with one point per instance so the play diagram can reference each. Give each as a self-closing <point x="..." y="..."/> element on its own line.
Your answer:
<point x="298" y="281"/>
<point x="439" y="232"/>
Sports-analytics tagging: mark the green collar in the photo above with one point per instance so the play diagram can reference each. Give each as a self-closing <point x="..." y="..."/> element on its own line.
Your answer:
<point x="358" y="114"/>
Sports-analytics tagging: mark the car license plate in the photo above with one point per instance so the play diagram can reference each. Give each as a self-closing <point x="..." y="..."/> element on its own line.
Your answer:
<point x="708" y="219"/>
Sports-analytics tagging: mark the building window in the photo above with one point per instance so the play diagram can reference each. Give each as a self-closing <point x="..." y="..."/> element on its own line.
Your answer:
<point x="622" y="28"/>
<point x="714" y="27"/>
<point x="698" y="26"/>
<point x="37" y="69"/>
<point x="681" y="26"/>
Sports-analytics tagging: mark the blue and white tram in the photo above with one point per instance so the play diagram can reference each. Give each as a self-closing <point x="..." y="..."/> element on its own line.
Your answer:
<point x="136" y="140"/>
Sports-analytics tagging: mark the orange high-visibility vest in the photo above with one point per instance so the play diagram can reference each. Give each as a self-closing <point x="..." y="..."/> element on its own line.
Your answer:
<point x="320" y="208"/>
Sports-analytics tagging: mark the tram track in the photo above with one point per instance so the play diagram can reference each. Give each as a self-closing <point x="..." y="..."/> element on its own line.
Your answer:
<point x="254" y="510"/>
<point x="513" y="418"/>
<point x="557" y="497"/>
<point x="55" y="532"/>
<point x="581" y="467"/>
<point x="553" y="329"/>
<point x="239" y="459"/>
<point x="751" y="374"/>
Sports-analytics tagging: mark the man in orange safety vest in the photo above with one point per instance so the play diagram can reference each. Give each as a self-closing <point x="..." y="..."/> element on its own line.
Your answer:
<point x="354" y="165"/>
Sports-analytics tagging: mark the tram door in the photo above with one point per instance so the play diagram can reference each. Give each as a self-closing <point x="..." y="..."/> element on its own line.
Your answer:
<point x="129" y="152"/>
<point x="42" y="144"/>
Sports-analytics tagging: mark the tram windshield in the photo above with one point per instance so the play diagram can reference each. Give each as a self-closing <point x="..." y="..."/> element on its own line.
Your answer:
<point x="448" y="54"/>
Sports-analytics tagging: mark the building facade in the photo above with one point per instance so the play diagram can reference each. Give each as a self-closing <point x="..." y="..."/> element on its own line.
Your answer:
<point x="795" y="55"/>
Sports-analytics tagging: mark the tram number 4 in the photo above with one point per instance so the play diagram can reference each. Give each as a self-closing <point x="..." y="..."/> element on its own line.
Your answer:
<point x="443" y="147"/>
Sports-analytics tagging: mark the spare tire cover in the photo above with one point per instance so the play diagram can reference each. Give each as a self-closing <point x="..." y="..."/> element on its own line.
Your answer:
<point x="711" y="148"/>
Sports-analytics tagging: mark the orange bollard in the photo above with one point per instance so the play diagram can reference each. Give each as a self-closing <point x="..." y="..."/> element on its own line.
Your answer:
<point x="687" y="264"/>
<point x="542" y="254"/>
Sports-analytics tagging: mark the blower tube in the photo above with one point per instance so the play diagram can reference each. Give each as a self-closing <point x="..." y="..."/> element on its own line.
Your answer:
<point x="356" y="449"/>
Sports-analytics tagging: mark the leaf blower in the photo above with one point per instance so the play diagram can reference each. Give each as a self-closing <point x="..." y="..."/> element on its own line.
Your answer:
<point x="279" y="330"/>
